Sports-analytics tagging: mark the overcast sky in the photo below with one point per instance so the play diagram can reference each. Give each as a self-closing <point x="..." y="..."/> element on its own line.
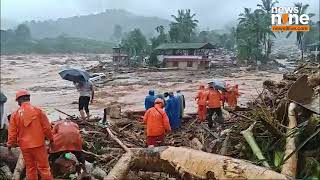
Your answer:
<point x="210" y="13"/>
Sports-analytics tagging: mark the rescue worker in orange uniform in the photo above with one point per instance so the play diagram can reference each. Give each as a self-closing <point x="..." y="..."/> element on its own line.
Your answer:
<point x="232" y="95"/>
<point x="67" y="138"/>
<point x="29" y="126"/>
<point x="214" y="98"/>
<point x="201" y="99"/>
<point x="157" y="123"/>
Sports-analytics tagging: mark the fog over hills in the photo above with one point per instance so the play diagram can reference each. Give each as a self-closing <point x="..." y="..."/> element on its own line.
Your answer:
<point x="98" y="26"/>
<point x="90" y="19"/>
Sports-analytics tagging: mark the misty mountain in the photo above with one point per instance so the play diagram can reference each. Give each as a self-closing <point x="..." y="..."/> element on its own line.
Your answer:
<point x="96" y="26"/>
<point x="8" y="23"/>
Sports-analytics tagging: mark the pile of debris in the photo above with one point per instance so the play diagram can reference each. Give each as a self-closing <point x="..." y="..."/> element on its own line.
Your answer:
<point x="275" y="140"/>
<point x="266" y="133"/>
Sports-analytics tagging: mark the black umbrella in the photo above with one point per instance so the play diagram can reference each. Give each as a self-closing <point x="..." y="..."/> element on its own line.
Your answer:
<point x="219" y="85"/>
<point x="75" y="75"/>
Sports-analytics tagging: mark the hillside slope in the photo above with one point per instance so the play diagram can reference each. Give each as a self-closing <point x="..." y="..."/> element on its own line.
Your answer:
<point x="96" y="26"/>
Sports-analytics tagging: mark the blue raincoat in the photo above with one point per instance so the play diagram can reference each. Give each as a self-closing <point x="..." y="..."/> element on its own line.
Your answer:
<point x="173" y="112"/>
<point x="182" y="103"/>
<point x="149" y="100"/>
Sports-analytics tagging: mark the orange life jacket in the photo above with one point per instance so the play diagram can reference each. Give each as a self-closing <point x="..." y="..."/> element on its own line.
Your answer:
<point x="28" y="127"/>
<point x="214" y="98"/>
<point x="157" y="121"/>
<point x="201" y="97"/>
<point x="66" y="137"/>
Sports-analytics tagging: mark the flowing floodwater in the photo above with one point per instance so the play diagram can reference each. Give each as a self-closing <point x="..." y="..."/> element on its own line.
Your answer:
<point x="39" y="74"/>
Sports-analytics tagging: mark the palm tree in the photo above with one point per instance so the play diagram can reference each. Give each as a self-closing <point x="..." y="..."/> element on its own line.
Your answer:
<point x="252" y="31"/>
<point x="160" y="28"/>
<point x="300" y="35"/>
<point x="183" y="26"/>
<point x="266" y="7"/>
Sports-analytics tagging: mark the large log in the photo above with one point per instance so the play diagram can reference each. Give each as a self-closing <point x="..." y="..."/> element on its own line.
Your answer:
<point x="198" y="164"/>
<point x="121" y="169"/>
<point x="290" y="166"/>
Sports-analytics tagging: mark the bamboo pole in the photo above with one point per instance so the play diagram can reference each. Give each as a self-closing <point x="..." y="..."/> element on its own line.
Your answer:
<point x="247" y="134"/>
<point x="290" y="166"/>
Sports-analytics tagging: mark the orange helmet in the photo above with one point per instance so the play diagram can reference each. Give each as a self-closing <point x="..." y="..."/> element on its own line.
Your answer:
<point x="22" y="92"/>
<point x="158" y="101"/>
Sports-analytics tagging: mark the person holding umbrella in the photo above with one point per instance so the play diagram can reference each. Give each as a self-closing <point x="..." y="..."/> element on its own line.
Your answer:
<point x="86" y="92"/>
<point x="214" y="104"/>
<point x="81" y="80"/>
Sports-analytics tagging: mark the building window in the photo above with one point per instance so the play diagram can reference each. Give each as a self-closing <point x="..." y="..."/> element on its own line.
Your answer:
<point x="189" y="64"/>
<point x="175" y="64"/>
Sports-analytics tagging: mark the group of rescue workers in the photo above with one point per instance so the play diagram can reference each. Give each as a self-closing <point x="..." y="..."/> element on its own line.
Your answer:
<point x="165" y="111"/>
<point x="29" y="126"/>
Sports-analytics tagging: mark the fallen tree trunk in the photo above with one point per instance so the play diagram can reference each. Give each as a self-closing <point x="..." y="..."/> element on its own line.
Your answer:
<point x="19" y="168"/>
<point x="198" y="164"/>
<point x="121" y="169"/>
<point x="290" y="166"/>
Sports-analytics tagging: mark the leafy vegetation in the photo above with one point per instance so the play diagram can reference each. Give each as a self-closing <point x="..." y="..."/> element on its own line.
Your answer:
<point x="183" y="26"/>
<point x="20" y="41"/>
<point x="224" y="40"/>
<point x="300" y="35"/>
<point x="254" y="35"/>
<point x="136" y="46"/>
<point x="135" y="43"/>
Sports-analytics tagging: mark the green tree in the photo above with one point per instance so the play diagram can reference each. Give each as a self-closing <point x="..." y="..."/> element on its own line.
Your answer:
<point x="135" y="44"/>
<point x="160" y="39"/>
<point x="300" y="35"/>
<point x="204" y="36"/>
<point x="249" y="35"/>
<point x="183" y="26"/>
<point x="266" y="7"/>
<point x="254" y="33"/>
<point x="23" y="33"/>
<point x="155" y="42"/>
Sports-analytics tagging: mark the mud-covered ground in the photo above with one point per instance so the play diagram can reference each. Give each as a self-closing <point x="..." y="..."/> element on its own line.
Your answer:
<point x="39" y="74"/>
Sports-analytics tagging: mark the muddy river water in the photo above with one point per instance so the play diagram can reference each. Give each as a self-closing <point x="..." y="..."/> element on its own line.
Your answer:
<point x="39" y="74"/>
